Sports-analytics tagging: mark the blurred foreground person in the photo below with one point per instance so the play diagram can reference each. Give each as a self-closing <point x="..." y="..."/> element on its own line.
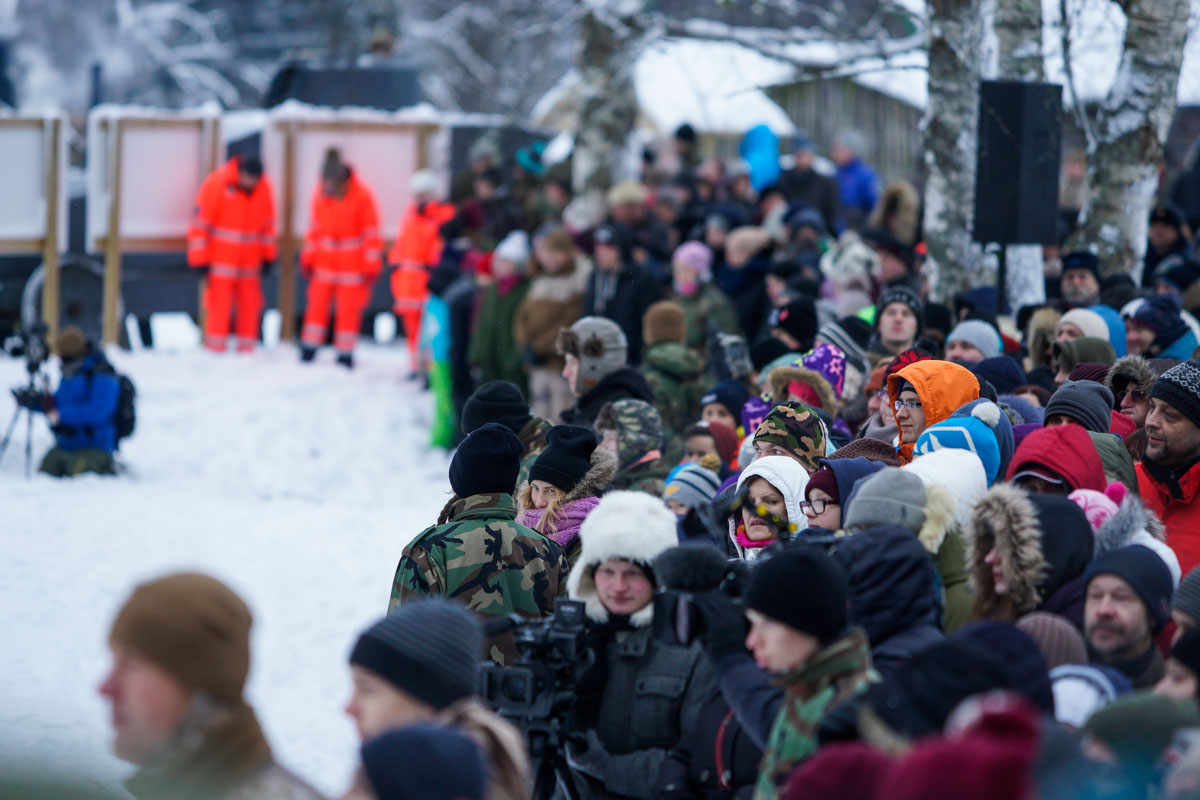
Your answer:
<point x="422" y="762"/>
<point x="181" y="652"/>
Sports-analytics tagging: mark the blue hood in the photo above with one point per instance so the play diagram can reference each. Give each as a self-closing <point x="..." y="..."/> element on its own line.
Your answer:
<point x="849" y="471"/>
<point x="760" y="149"/>
<point x="1116" y="327"/>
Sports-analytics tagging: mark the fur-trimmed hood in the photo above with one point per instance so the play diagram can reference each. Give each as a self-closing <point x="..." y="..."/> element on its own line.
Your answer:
<point x="960" y="472"/>
<point x="1131" y="369"/>
<point x="632" y="526"/>
<point x="1034" y="566"/>
<point x="780" y="377"/>
<point x="602" y="466"/>
<point x="1134" y="523"/>
<point x="900" y="497"/>
<point x="898" y="210"/>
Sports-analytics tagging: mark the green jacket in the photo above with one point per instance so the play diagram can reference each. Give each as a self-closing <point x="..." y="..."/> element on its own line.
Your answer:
<point x="831" y="676"/>
<point x="485" y="560"/>
<point x="645" y="476"/>
<point x="493" y="349"/>
<point x="708" y="306"/>
<point x="677" y="377"/>
<point x="951" y="563"/>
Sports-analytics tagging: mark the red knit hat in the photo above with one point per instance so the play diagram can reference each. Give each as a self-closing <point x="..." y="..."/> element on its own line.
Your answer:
<point x="993" y="758"/>
<point x="840" y="771"/>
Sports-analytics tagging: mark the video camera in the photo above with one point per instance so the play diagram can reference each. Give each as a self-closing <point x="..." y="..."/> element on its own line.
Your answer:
<point x="554" y="655"/>
<point x="32" y="345"/>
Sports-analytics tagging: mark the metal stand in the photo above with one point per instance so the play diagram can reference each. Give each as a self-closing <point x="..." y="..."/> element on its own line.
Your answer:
<point x="12" y="425"/>
<point x="547" y="751"/>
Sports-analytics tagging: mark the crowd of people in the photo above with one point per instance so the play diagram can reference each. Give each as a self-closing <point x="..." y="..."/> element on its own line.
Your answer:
<point x="928" y="550"/>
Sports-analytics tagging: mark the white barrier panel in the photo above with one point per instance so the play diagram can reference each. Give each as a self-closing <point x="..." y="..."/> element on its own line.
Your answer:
<point x="35" y="175"/>
<point x="163" y="158"/>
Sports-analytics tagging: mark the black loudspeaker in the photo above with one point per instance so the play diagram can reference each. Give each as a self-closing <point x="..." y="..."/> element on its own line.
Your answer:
<point x="1016" y="177"/>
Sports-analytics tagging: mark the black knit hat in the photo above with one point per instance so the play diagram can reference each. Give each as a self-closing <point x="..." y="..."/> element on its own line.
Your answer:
<point x="496" y="401"/>
<point x="804" y="588"/>
<point x="429" y="648"/>
<point x="1082" y="259"/>
<point x="798" y="318"/>
<point x="1146" y="574"/>
<point x="729" y="393"/>
<point x="429" y="761"/>
<point x="487" y="462"/>
<point x="1180" y="387"/>
<point x="1087" y="402"/>
<point x="567" y="456"/>
<point x="901" y="294"/>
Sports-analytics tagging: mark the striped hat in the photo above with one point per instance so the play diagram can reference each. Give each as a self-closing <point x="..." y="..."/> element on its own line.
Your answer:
<point x="693" y="485"/>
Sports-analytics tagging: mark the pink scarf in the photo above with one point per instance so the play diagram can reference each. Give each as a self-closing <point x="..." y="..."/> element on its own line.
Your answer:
<point x="565" y="525"/>
<point x="745" y="541"/>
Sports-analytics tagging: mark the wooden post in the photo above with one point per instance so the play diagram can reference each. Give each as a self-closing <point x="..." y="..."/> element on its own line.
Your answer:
<point x="287" y="237"/>
<point x="50" y="289"/>
<point x="112" y="241"/>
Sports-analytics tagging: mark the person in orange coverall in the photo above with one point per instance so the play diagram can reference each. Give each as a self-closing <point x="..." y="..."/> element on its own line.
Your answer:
<point x="232" y="241"/>
<point x="342" y="257"/>
<point x="417" y="250"/>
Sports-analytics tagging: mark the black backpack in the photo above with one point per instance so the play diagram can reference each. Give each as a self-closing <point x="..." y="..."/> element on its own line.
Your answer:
<point x="126" y="417"/>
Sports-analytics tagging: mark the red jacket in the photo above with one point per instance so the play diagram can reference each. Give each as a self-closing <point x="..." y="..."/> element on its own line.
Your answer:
<point x="1066" y="450"/>
<point x="1180" y="515"/>
<point x="232" y="232"/>
<point x="343" y="235"/>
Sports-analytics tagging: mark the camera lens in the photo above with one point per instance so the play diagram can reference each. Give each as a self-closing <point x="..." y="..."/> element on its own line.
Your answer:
<point x="515" y="688"/>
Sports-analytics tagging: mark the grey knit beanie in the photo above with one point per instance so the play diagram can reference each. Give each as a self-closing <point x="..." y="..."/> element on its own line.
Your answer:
<point x="977" y="333"/>
<point x="428" y="648"/>
<point x="599" y="344"/>
<point x="1187" y="596"/>
<point x="889" y="497"/>
<point x="1087" y="402"/>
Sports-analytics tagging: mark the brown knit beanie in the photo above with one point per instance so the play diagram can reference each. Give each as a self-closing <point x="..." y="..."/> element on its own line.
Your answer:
<point x="1057" y="638"/>
<point x="664" y="322"/>
<point x="192" y="626"/>
<point x="70" y="343"/>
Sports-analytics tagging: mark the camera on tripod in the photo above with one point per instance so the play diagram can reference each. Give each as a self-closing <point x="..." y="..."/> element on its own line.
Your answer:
<point x="31" y="345"/>
<point x="554" y="655"/>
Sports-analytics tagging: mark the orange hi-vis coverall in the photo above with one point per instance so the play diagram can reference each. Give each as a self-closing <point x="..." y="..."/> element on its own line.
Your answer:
<point x="342" y="257"/>
<point x="417" y="250"/>
<point x="233" y="234"/>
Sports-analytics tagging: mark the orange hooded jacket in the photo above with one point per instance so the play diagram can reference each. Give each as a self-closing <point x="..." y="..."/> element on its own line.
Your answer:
<point x="943" y="388"/>
<point x="343" y="242"/>
<point x="232" y="231"/>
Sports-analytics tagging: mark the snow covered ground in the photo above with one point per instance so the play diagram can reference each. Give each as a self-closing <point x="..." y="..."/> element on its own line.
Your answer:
<point x="299" y="486"/>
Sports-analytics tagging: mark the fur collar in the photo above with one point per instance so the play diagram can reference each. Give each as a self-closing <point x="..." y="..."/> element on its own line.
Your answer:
<point x="597" y="478"/>
<point x="562" y="287"/>
<point x="1006" y="519"/>
<point x="780" y="377"/>
<point x="939" y="517"/>
<point x="1121" y="528"/>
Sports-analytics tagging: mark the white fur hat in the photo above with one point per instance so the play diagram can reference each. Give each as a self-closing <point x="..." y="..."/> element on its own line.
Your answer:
<point x="632" y="526"/>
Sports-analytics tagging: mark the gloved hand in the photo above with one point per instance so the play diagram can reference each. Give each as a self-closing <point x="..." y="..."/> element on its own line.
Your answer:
<point x="723" y="624"/>
<point x="591" y="762"/>
<point x="30" y="399"/>
<point x="267" y="266"/>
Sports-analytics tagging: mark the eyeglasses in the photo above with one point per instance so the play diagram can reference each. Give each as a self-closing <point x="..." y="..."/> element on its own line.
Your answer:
<point x="911" y="405"/>
<point x="815" y="506"/>
<point x="1136" y="395"/>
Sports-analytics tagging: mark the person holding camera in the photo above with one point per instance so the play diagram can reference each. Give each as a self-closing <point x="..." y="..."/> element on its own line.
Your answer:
<point x="82" y="411"/>
<point x="641" y="694"/>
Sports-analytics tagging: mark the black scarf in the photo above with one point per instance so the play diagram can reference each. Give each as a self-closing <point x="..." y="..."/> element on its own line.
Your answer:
<point x="1169" y="476"/>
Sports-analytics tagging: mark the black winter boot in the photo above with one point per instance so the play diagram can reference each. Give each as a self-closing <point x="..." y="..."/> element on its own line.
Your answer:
<point x="346" y="360"/>
<point x="307" y="353"/>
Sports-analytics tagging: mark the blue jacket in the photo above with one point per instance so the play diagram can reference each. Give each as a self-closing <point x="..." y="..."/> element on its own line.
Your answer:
<point x="1181" y="349"/>
<point x="87" y="406"/>
<point x="858" y="186"/>
<point x="760" y="149"/>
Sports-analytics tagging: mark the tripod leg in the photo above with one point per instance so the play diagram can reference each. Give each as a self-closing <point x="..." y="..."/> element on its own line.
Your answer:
<point x="12" y="426"/>
<point x="28" y="445"/>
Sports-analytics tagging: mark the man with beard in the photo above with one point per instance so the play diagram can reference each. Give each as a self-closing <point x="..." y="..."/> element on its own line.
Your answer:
<point x="1127" y="603"/>
<point x="1169" y="473"/>
<point x="1080" y="281"/>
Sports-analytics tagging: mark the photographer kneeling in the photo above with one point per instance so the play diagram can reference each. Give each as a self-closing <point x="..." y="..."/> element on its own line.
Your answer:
<point x="796" y="603"/>
<point x="641" y="694"/>
<point x="81" y="412"/>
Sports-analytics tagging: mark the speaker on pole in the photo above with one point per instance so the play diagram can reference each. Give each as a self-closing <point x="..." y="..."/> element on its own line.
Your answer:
<point x="1016" y="178"/>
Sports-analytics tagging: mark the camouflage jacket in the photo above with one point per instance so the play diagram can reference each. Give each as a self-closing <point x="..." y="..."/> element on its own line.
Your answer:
<point x="482" y="558"/>
<point x="677" y="377"/>
<point x="832" y="675"/>
<point x="533" y="436"/>
<point x="645" y="476"/>
<point x="708" y="306"/>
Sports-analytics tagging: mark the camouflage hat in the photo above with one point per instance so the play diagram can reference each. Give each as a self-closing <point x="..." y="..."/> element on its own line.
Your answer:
<point x="794" y="427"/>
<point x="638" y="426"/>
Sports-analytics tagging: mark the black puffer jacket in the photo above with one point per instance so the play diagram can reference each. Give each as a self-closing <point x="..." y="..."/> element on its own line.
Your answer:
<point x="622" y="297"/>
<point x="893" y="594"/>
